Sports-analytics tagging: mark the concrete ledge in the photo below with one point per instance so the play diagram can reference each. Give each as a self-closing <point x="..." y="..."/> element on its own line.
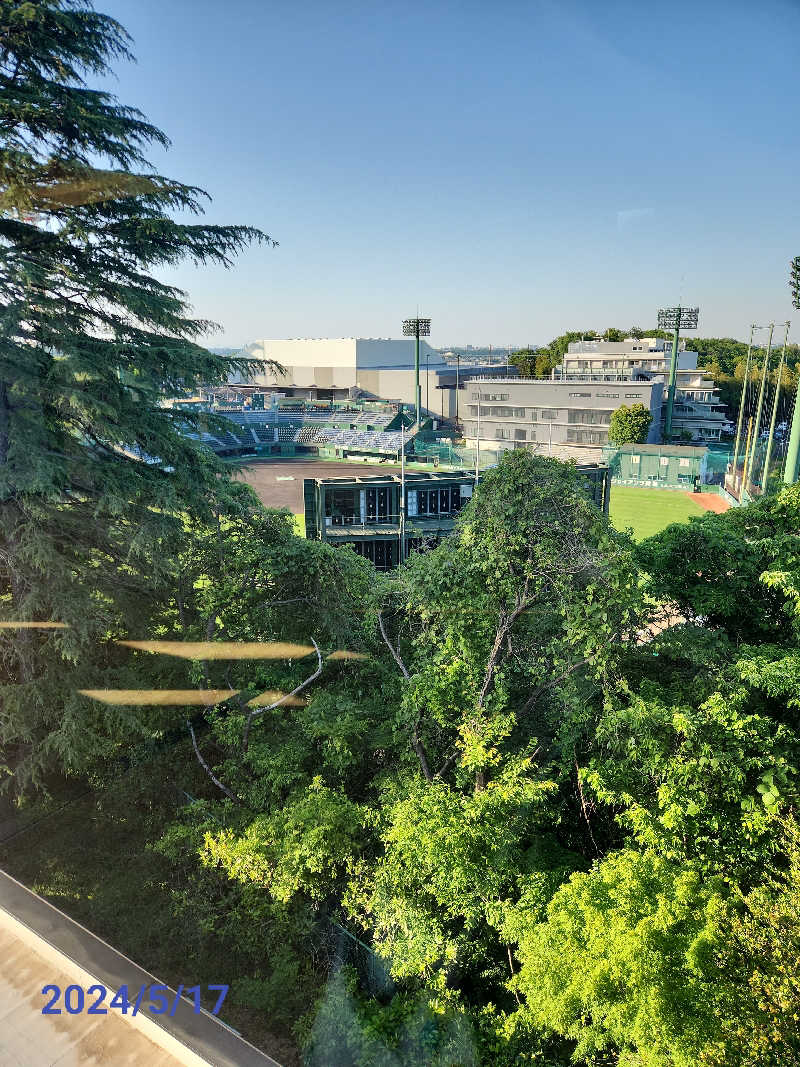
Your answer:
<point x="194" y="1040"/>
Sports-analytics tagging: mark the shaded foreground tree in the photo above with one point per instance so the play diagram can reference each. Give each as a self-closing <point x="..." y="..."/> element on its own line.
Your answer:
<point x="90" y="344"/>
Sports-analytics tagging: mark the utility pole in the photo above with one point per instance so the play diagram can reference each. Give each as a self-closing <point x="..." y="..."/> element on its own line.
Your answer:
<point x="735" y="464"/>
<point x="792" y="467"/>
<point x="746" y="452"/>
<point x="674" y="319"/>
<point x="759" y="408"/>
<point x="773" y="420"/>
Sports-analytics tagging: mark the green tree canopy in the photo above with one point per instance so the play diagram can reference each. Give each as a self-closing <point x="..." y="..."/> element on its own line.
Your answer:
<point x="630" y="424"/>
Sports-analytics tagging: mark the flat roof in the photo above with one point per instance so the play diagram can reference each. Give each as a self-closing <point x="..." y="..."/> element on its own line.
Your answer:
<point x="655" y="450"/>
<point x="432" y="476"/>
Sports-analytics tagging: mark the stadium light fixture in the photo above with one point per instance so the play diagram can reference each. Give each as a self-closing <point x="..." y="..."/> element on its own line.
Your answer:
<point x="792" y="467"/>
<point x="416" y="328"/>
<point x="794" y="281"/>
<point x="675" y="319"/>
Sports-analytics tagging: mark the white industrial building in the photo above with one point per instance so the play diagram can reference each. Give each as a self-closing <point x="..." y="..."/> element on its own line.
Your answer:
<point x="350" y="367"/>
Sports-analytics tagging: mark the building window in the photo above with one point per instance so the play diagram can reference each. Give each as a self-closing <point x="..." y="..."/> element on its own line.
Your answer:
<point x="501" y="434"/>
<point x="378" y="504"/>
<point x="633" y="396"/>
<point x="635" y="460"/>
<point x="609" y="396"/>
<point x="580" y="394"/>
<point x="439" y="501"/>
<point x="684" y="463"/>
<point x="519" y="413"/>
<point x="520" y="435"/>
<point x="592" y="418"/>
<point x="664" y="461"/>
<point x="342" y="507"/>
<point x="549" y="414"/>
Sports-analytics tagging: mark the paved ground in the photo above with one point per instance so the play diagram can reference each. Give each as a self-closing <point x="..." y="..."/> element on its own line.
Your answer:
<point x="264" y="475"/>
<point x="30" y="1039"/>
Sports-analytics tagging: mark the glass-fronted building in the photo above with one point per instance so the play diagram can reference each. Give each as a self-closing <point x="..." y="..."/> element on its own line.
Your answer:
<point x="367" y="512"/>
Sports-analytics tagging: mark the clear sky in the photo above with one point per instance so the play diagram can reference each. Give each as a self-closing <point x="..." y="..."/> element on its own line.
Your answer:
<point x="514" y="169"/>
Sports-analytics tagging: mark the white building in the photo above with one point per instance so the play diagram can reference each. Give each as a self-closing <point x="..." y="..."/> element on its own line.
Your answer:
<point x="697" y="409"/>
<point x="349" y="367"/>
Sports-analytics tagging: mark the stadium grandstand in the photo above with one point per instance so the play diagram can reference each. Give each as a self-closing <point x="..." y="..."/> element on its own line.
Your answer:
<point x="297" y="428"/>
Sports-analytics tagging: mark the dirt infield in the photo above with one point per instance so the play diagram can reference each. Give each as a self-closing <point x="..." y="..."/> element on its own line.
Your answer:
<point x="710" y="501"/>
<point x="263" y="476"/>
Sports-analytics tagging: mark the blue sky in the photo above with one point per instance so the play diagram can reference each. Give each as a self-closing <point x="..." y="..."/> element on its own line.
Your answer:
<point x="513" y="169"/>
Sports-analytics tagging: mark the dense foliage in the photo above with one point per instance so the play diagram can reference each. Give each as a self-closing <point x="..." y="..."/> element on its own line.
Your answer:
<point x="629" y="425"/>
<point x="543" y="780"/>
<point x="546" y="820"/>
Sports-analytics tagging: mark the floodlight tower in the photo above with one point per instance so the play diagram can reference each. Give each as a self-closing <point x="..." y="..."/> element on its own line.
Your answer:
<point x="792" y="468"/>
<point x="416" y="328"/>
<point x="675" y="319"/>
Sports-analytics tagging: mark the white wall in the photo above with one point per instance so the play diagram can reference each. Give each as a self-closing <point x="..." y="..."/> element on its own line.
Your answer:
<point x="381" y="352"/>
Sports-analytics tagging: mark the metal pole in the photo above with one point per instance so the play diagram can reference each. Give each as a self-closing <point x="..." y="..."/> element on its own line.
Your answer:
<point x="745" y="383"/>
<point x="773" y="420"/>
<point x="761" y="391"/>
<point x="746" y="451"/>
<point x="673" y="372"/>
<point x="416" y="373"/>
<point x="791" y="469"/>
<point x="402" y="525"/>
<point x="458" y="370"/>
<point x="478" y="440"/>
<point x="427" y="381"/>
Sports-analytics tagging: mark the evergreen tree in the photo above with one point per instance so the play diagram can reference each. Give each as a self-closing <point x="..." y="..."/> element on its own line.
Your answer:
<point x="90" y="345"/>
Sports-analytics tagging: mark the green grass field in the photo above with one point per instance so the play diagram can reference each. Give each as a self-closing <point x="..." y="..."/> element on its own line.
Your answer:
<point x="647" y="511"/>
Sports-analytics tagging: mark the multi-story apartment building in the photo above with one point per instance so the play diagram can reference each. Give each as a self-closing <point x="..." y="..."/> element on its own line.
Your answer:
<point x="556" y="417"/>
<point x="697" y="411"/>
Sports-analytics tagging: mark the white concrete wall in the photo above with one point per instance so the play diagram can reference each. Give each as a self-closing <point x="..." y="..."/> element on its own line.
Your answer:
<point x="340" y="352"/>
<point x="383" y="352"/>
<point x="307" y="351"/>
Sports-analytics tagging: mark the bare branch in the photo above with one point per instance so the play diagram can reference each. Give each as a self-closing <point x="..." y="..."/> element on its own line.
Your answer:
<point x="208" y="770"/>
<point x="392" y="649"/>
<point x="419" y="750"/>
<point x="530" y="703"/>
<point x="416" y="742"/>
<point x="583" y="806"/>
<point x="503" y="630"/>
<point x="271" y="707"/>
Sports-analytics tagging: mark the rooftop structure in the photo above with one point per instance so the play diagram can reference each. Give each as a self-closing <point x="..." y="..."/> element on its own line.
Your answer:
<point x="658" y="466"/>
<point x="349" y="368"/>
<point x="697" y="411"/>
